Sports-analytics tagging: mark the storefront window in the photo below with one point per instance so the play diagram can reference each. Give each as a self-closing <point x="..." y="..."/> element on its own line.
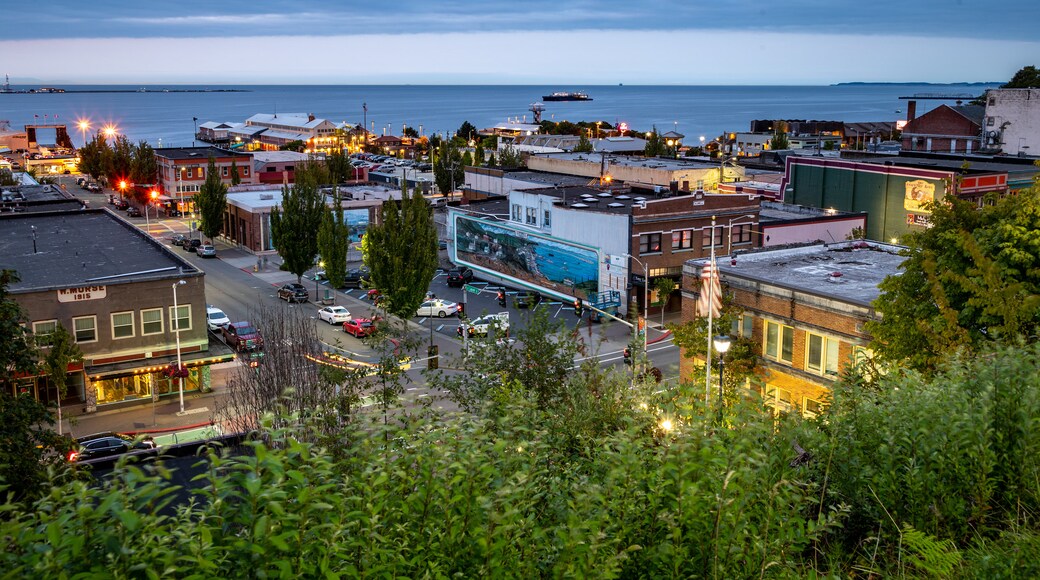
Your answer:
<point x="138" y="386"/>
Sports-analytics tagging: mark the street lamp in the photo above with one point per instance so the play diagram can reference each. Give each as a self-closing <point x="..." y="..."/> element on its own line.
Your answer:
<point x="83" y="125"/>
<point x="646" y="301"/>
<point x="177" y="334"/>
<point x="122" y="188"/>
<point x="722" y="344"/>
<point x="151" y="197"/>
<point x="109" y="131"/>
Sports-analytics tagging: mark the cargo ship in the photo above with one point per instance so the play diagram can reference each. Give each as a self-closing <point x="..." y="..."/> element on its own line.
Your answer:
<point x="567" y="97"/>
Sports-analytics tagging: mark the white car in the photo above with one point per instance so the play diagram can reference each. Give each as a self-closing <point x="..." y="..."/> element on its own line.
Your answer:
<point x="216" y="319"/>
<point x="334" y="314"/>
<point x="499" y="323"/>
<point x="438" y="308"/>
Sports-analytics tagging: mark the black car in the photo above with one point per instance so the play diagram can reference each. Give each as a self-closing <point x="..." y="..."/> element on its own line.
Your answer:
<point x="174" y="213"/>
<point x="191" y="245"/>
<point x="178" y="239"/>
<point x="107" y="445"/>
<point x="459" y="276"/>
<point x="526" y="299"/>
<point x="133" y="212"/>
<point x="293" y="292"/>
<point x="121" y="204"/>
<point x="357" y="277"/>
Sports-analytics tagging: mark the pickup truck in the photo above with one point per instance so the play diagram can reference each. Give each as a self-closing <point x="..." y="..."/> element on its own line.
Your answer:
<point x="242" y="336"/>
<point x="497" y="323"/>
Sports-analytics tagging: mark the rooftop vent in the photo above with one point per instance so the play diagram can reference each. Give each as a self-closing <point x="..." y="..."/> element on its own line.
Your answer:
<point x="834" y="278"/>
<point x="640" y="199"/>
<point x="266" y="196"/>
<point x="615" y="205"/>
<point x="605" y="194"/>
<point x="624" y="197"/>
<point x="578" y="205"/>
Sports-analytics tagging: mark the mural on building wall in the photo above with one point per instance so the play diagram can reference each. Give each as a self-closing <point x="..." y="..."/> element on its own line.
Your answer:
<point x="357" y="221"/>
<point x="918" y="193"/>
<point x="535" y="259"/>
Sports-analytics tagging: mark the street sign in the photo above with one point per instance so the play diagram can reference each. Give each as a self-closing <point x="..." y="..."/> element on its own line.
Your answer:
<point x="193" y="226"/>
<point x="471" y="289"/>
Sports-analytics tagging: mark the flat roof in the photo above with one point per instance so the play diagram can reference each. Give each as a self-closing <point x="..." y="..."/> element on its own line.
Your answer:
<point x="201" y="153"/>
<point x="82" y="248"/>
<point x="634" y="161"/>
<point x="862" y="266"/>
<point x="253" y="198"/>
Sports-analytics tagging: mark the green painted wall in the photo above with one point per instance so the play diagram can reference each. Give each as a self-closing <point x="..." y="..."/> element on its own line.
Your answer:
<point x="881" y="195"/>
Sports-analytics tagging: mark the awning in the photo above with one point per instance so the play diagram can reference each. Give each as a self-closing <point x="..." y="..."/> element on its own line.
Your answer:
<point x="217" y="352"/>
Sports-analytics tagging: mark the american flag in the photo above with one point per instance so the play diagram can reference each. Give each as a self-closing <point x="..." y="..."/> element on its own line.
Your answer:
<point x="710" y="285"/>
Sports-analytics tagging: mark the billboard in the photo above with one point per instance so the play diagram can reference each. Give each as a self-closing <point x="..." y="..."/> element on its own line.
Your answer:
<point x="527" y="257"/>
<point x="357" y="222"/>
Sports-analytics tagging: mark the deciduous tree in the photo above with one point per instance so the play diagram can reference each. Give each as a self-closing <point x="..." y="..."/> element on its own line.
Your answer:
<point x="62" y="351"/>
<point x="18" y="352"/>
<point x="143" y="167"/>
<point x="401" y="253"/>
<point x="235" y="177"/>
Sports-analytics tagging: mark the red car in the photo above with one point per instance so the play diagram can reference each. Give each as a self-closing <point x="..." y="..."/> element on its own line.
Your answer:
<point x="359" y="327"/>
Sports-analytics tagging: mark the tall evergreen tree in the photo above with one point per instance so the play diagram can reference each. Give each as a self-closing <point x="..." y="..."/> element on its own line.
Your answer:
<point x="466" y="132"/>
<point x="340" y="169"/>
<point x="211" y="201"/>
<point x="334" y="242"/>
<point x="779" y="141"/>
<point x="120" y="160"/>
<point x="62" y="352"/>
<point x="235" y="177"/>
<point x="294" y="226"/>
<point x="478" y="157"/>
<point x="584" y="145"/>
<point x="655" y="145"/>
<point x="401" y="253"/>
<point x="17" y="352"/>
<point x="448" y="169"/>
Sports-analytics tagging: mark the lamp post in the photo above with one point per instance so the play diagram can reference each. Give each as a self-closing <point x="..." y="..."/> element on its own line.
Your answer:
<point x="122" y="189"/>
<point x="177" y="334"/>
<point x="83" y="125"/>
<point x="646" y="301"/>
<point x="722" y="344"/>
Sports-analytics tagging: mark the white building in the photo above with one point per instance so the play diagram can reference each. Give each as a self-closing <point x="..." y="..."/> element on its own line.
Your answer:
<point x="1013" y="121"/>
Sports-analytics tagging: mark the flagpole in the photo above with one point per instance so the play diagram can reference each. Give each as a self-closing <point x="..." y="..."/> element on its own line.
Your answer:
<point x="711" y="312"/>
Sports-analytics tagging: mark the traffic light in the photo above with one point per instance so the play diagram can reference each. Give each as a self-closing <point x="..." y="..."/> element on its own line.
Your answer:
<point x="577" y="307"/>
<point x="462" y="309"/>
<point x="628" y="355"/>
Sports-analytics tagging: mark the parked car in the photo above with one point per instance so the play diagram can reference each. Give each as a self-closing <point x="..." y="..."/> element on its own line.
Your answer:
<point x="293" y="292"/>
<point x="93" y="187"/>
<point x="121" y="204"/>
<point x="206" y="251"/>
<point x="438" y="308"/>
<point x="526" y="299"/>
<point x="459" y="276"/>
<point x="133" y="212"/>
<point x="357" y="277"/>
<point x="216" y="319"/>
<point x="178" y="239"/>
<point x="107" y="445"/>
<point x="81" y="181"/>
<point x="334" y="314"/>
<point x="498" y="323"/>
<point x="174" y="213"/>
<point x="359" y="327"/>
<point x="190" y="245"/>
<point x="242" y="336"/>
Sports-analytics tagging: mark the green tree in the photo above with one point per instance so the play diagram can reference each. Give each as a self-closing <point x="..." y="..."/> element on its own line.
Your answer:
<point x="294" y="226"/>
<point x="32" y="455"/>
<point x="664" y="287"/>
<point x="779" y="141"/>
<point x="1027" y="77"/>
<point x="235" y="177"/>
<point x="448" y="168"/>
<point x="655" y="145"/>
<point x="584" y="145"/>
<point x="334" y="242"/>
<point x="297" y="146"/>
<point x="93" y="156"/>
<point x="340" y="169"/>
<point x="120" y="160"/>
<point x="62" y="351"/>
<point x="410" y="132"/>
<point x="401" y="253"/>
<point x="467" y="161"/>
<point x="143" y="166"/>
<point x="970" y="279"/>
<point x="7" y="177"/>
<point x="467" y="132"/>
<point x="478" y="157"/>
<point x="211" y="201"/>
<point x="18" y="353"/>
<point x="492" y="162"/>
<point x="510" y="158"/>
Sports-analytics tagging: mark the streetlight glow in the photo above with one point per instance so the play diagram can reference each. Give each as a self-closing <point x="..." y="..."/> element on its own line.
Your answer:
<point x="109" y="131"/>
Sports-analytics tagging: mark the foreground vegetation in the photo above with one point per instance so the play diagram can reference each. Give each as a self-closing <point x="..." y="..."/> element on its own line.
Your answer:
<point x="903" y="476"/>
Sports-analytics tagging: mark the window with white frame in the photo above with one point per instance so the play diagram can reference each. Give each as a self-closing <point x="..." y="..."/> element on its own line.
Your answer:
<point x="740" y="234"/>
<point x="516" y="212"/>
<point x="532" y="216"/>
<point x="122" y="325"/>
<point x="682" y="239"/>
<point x="44" y="331"/>
<point x="812" y="407"/>
<point x="151" y="321"/>
<point x="779" y="342"/>
<point x="84" y="328"/>
<point x="547" y="219"/>
<point x="742" y="326"/>
<point x="180" y="319"/>
<point x="821" y="354"/>
<point x="650" y="243"/>
<point x="224" y="171"/>
<point x="779" y="399"/>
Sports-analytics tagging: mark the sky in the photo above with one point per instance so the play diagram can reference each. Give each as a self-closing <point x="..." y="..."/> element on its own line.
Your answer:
<point x="685" y="42"/>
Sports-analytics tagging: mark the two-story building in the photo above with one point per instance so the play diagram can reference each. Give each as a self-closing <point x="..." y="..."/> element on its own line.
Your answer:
<point x="182" y="171"/>
<point x="1012" y="119"/>
<point x="121" y="295"/>
<point x="804" y="308"/>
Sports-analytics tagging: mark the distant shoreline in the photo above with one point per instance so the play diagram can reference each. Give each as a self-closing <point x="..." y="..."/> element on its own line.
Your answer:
<point x="869" y="84"/>
<point x="68" y="91"/>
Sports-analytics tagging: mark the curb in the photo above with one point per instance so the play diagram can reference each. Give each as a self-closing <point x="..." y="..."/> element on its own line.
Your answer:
<point x="169" y="429"/>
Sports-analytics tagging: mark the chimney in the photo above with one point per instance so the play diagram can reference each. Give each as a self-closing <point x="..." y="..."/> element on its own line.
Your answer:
<point x="310" y="117"/>
<point x="911" y="110"/>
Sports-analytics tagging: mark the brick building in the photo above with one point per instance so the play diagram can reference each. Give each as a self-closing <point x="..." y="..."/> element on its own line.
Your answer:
<point x="944" y="129"/>
<point x="804" y="309"/>
<point x="182" y="171"/>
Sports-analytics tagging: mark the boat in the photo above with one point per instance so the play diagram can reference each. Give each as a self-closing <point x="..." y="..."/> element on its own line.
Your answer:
<point x="561" y="96"/>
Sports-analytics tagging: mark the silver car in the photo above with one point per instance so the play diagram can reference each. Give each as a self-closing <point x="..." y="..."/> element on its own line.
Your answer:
<point x="206" y="251"/>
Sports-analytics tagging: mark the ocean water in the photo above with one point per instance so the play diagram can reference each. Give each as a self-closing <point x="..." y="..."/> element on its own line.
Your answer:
<point x="164" y="119"/>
